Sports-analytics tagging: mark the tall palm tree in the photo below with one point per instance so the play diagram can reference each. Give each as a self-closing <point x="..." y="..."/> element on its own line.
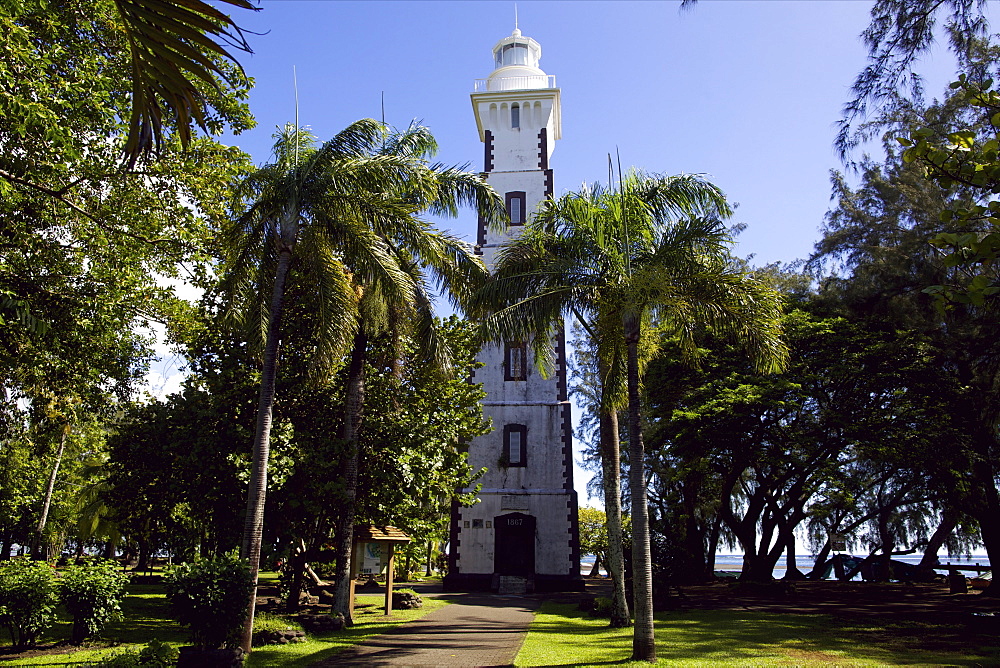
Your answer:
<point x="346" y="215"/>
<point x="651" y="254"/>
<point x="429" y="260"/>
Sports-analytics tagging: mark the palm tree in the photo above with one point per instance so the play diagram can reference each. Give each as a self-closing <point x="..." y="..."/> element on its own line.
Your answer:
<point x="651" y="255"/>
<point x="345" y="215"/>
<point x="419" y="253"/>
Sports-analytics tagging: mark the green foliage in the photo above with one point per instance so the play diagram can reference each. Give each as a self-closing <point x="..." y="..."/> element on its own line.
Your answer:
<point x="27" y="599"/>
<point x="900" y="33"/>
<point x="93" y="593"/>
<point x="210" y="598"/>
<point x="968" y="158"/>
<point x="886" y="233"/>
<point x="602" y="607"/>
<point x="858" y="413"/>
<point x="154" y="655"/>
<point x="87" y="243"/>
<point x="173" y="51"/>
<point x="593" y="531"/>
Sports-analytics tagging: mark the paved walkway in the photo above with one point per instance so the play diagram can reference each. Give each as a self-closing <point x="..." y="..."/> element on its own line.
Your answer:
<point x="475" y="630"/>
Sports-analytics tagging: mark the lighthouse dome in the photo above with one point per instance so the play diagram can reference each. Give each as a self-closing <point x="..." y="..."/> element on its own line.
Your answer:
<point x="515" y="60"/>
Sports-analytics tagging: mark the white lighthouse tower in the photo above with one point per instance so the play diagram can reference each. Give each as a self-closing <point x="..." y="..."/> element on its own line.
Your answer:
<point x="523" y="534"/>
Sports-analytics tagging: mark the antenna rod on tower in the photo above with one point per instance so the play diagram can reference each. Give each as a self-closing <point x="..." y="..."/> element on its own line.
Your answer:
<point x="515" y="16"/>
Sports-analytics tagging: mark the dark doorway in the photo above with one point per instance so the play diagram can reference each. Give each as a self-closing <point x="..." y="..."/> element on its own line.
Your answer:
<point x="514" y="548"/>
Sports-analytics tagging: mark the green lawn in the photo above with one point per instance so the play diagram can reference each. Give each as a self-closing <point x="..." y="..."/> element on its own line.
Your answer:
<point x="368" y="621"/>
<point x="146" y="617"/>
<point x="561" y="635"/>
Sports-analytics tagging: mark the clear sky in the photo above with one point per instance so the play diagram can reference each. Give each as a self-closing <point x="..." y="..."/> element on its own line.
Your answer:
<point x="746" y="92"/>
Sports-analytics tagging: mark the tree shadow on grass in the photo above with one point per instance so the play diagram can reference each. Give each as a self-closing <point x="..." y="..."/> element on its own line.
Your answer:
<point x="755" y="638"/>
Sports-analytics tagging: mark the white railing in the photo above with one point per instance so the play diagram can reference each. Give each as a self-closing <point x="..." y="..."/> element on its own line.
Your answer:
<point x="530" y="82"/>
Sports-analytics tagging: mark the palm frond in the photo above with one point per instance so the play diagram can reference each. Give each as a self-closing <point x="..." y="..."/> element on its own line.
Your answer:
<point x="174" y="45"/>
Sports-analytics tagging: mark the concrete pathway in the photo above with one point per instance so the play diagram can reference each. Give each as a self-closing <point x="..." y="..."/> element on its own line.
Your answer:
<point x="474" y="630"/>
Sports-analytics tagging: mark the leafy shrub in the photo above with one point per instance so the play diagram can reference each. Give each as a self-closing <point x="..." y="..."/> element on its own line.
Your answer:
<point x="210" y="597"/>
<point x="601" y="607"/>
<point x="154" y="655"/>
<point x="93" y="593"/>
<point x="27" y="599"/>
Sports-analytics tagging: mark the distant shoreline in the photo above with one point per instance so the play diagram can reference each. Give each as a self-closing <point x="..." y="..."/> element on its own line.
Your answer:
<point x="734" y="562"/>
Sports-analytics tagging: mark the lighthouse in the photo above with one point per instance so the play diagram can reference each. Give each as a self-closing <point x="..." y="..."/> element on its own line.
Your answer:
<point x="523" y="535"/>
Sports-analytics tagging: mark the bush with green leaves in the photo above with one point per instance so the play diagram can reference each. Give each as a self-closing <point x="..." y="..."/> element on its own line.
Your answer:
<point x="27" y="599"/>
<point x="602" y="607"/>
<point x="210" y="597"/>
<point x="155" y="654"/>
<point x="93" y="593"/>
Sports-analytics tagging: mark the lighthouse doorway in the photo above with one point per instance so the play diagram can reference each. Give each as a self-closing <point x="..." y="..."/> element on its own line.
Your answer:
<point x="514" y="552"/>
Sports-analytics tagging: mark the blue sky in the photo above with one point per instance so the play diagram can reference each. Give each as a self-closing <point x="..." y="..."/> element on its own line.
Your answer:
<point x="745" y="92"/>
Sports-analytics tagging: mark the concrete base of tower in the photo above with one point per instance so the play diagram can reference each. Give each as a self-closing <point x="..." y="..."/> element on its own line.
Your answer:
<point x="538" y="583"/>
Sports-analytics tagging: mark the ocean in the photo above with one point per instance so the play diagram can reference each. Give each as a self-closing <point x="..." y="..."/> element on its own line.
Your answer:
<point x="734" y="562"/>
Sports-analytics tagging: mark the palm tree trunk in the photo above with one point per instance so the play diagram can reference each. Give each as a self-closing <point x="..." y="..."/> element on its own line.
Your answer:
<point x="253" y="526"/>
<point x="611" y="469"/>
<point x="49" y="489"/>
<point x="643" y="641"/>
<point x="354" y="404"/>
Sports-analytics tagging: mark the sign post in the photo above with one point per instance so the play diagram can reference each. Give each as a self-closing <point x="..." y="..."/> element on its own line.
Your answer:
<point x="374" y="549"/>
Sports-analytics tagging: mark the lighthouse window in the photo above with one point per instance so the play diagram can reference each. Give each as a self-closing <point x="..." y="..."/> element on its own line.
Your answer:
<point x="514" y="445"/>
<point x="516" y="361"/>
<point x="515" y="207"/>
<point x="515" y="54"/>
<point x="515" y="116"/>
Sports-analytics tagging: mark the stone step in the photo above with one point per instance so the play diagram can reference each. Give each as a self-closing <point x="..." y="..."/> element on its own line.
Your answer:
<point x="513" y="584"/>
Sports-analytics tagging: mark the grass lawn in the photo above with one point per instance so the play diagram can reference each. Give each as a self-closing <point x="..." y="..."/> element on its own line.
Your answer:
<point x="146" y="617"/>
<point x="561" y="635"/>
<point x="368" y="621"/>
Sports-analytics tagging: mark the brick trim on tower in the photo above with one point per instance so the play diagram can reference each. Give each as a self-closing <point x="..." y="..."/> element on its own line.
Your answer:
<point x="567" y="446"/>
<point x="481" y="236"/>
<point x="548" y="183"/>
<point x="563" y="372"/>
<point x="488" y="158"/>
<point x="543" y="148"/>
<point x="453" y="539"/>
